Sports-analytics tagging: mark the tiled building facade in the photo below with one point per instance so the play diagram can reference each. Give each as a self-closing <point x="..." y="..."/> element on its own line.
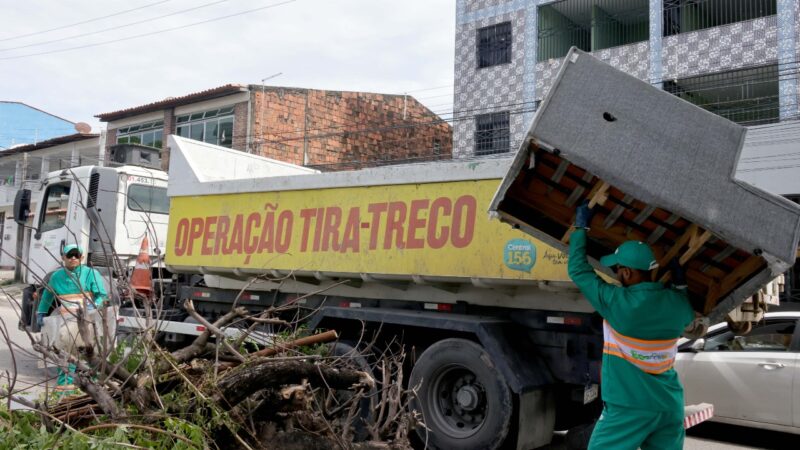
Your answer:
<point x="330" y="130"/>
<point x="737" y="58"/>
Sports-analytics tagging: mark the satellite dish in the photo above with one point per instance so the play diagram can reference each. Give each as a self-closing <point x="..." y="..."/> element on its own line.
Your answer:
<point x="83" y="127"/>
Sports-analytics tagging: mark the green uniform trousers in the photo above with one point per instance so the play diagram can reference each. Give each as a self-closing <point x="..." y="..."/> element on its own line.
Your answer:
<point x="621" y="428"/>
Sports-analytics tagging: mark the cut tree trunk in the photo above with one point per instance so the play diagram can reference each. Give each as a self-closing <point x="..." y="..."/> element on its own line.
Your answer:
<point x="247" y="379"/>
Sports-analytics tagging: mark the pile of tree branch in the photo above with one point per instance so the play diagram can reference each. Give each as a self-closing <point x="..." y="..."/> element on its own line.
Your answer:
<point x="226" y="392"/>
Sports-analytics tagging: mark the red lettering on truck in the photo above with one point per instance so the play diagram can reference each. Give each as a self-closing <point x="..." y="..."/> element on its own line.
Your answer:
<point x="181" y="237"/>
<point x="413" y="225"/>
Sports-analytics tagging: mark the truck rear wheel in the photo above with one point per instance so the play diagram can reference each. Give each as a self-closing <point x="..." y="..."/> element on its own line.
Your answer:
<point x="464" y="400"/>
<point x="355" y="360"/>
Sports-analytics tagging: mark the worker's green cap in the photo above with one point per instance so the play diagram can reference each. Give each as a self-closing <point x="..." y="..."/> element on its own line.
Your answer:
<point x="69" y="247"/>
<point x="632" y="254"/>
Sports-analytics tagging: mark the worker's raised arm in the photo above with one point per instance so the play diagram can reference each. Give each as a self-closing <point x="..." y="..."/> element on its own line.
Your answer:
<point x="594" y="288"/>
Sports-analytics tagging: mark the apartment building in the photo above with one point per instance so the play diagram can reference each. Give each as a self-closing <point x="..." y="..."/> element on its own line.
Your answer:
<point x="326" y="129"/>
<point x="736" y="58"/>
<point x="24" y="166"/>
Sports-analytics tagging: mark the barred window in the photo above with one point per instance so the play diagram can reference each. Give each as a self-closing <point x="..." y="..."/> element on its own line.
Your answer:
<point x="492" y="133"/>
<point x="494" y="45"/>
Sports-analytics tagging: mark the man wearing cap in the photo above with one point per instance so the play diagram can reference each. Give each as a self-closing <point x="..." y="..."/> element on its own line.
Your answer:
<point x="75" y="286"/>
<point x="643" y="320"/>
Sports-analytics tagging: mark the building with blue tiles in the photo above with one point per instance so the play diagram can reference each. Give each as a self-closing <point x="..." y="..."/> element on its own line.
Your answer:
<point x="736" y="58"/>
<point x="21" y="124"/>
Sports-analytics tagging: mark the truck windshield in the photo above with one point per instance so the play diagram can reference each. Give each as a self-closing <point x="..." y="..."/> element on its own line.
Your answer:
<point x="150" y="199"/>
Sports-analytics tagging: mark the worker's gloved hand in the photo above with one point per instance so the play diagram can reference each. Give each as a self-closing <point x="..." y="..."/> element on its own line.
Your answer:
<point x="40" y="318"/>
<point x="678" y="274"/>
<point x="583" y="216"/>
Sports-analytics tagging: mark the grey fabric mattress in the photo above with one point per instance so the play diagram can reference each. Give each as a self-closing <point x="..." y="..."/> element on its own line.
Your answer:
<point x="667" y="170"/>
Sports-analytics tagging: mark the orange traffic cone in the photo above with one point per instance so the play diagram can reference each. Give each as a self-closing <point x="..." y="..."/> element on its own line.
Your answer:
<point x="142" y="277"/>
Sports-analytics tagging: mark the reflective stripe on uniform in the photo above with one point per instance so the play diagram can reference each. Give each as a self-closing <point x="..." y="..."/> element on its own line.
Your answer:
<point x="651" y="356"/>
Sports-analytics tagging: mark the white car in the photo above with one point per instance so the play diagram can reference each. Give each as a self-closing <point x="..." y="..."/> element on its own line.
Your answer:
<point x="752" y="380"/>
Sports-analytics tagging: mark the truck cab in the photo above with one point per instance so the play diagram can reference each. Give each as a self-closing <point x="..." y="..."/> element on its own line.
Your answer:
<point x="108" y="211"/>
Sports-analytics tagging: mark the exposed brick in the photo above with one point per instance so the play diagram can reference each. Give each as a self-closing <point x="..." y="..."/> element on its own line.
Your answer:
<point x="333" y="130"/>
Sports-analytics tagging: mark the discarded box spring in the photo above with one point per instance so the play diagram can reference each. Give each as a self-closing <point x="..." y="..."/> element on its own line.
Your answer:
<point x="656" y="168"/>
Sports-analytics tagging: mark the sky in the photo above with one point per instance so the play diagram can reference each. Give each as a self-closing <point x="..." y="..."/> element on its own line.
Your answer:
<point x="60" y="56"/>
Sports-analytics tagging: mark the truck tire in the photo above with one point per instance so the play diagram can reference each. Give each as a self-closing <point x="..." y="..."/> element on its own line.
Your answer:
<point x="464" y="400"/>
<point x="366" y="413"/>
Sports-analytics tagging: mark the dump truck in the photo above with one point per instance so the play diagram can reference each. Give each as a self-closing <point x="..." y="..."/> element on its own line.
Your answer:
<point x="502" y="348"/>
<point x="501" y="345"/>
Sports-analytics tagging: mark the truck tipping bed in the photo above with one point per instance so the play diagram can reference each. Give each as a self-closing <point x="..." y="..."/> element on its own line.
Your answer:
<point x="657" y="169"/>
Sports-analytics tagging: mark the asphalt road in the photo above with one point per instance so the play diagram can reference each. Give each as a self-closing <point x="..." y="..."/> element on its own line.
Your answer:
<point x="30" y="381"/>
<point x="18" y="357"/>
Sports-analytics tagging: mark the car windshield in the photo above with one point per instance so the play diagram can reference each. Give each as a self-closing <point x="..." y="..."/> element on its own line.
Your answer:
<point x="149" y="199"/>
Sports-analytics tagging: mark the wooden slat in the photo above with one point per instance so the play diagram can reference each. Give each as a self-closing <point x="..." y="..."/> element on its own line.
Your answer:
<point x="711" y="297"/>
<point x="696" y="242"/>
<point x="691" y="231"/>
<point x="743" y="270"/>
<point x="597" y="196"/>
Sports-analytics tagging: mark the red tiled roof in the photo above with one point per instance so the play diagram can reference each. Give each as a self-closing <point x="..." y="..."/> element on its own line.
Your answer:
<point x="49" y="143"/>
<point x="172" y="102"/>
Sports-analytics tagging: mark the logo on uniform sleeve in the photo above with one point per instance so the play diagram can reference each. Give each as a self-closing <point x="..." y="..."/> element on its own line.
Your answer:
<point x="519" y="254"/>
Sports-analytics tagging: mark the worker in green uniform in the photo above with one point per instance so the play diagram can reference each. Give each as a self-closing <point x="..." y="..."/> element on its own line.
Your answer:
<point x="74" y="286"/>
<point x="643" y="320"/>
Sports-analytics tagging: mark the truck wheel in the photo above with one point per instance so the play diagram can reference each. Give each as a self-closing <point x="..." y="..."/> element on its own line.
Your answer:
<point x="366" y="413"/>
<point x="464" y="400"/>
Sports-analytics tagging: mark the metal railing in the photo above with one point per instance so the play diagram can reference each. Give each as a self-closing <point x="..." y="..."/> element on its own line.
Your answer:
<point x="590" y="25"/>
<point x="682" y="16"/>
<point x="593" y="25"/>
<point x="748" y="96"/>
<point x="9" y="191"/>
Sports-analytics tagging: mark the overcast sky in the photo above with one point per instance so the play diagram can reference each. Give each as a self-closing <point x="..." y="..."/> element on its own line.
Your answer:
<point x="389" y="46"/>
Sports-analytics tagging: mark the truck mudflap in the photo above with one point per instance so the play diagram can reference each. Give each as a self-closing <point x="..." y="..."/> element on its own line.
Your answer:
<point x="696" y="414"/>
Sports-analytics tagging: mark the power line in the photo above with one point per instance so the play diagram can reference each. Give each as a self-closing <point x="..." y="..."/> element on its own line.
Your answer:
<point x="152" y="33"/>
<point x="114" y="28"/>
<point x="83" y="21"/>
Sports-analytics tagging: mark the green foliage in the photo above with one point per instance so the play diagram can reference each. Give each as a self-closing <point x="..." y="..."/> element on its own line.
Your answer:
<point x="24" y="430"/>
<point x="133" y="349"/>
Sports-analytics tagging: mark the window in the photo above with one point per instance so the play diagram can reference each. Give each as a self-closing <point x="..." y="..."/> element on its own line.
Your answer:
<point x="54" y="210"/>
<point x="214" y="127"/>
<point x="771" y="337"/>
<point x="590" y="25"/>
<point x="149" y="134"/>
<point x="682" y="16"/>
<point x="492" y="133"/>
<point x="149" y="199"/>
<point x="494" y="45"/>
<point x="748" y="96"/>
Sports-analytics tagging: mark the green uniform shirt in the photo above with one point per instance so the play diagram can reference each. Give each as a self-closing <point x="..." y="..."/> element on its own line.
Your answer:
<point x="82" y="279"/>
<point x="643" y="311"/>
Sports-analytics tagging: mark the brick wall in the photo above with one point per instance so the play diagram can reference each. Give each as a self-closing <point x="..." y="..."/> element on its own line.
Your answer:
<point x="343" y="130"/>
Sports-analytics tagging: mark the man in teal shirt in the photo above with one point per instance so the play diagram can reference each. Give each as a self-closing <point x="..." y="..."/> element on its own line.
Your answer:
<point x="75" y="285"/>
<point x="643" y="320"/>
